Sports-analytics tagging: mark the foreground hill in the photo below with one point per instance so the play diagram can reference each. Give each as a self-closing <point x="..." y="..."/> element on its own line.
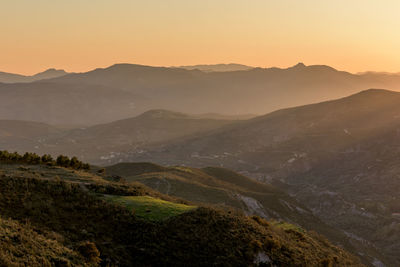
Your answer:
<point x="126" y="90"/>
<point x="89" y="220"/>
<point x="339" y="158"/>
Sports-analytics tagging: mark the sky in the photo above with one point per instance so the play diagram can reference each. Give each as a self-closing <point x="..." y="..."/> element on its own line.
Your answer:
<point x="80" y="35"/>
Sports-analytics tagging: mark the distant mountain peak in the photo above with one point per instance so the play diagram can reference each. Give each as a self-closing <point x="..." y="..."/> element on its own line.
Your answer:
<point x="17" y="78"/>
<point x="51" y="71"/>
<point x="299" y="65"/>
<point x="302" y="66"/>
<point x="49" y="74"/>
<point x="375" y="92"/>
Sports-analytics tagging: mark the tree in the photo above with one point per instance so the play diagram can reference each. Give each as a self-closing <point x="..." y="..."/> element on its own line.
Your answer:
<point x="63" y="161"/>
<point x="75" y="163"/>
<point x="47" y="158"/>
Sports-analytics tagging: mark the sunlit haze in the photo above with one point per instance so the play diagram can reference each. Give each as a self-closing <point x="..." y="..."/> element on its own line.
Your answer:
<point x="79" y="35"/>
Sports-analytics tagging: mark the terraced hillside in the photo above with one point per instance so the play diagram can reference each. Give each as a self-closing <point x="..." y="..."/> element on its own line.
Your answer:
<point x="69" y="209"/>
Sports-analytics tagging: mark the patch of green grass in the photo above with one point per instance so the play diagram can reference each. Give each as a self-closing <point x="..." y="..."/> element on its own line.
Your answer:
<point x="287" y="226"/>
<point x="150" y="208"/>
<point x="183" y="169"/>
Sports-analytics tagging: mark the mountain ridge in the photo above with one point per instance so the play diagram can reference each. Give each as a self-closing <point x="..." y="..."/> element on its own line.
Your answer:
<point x="217" y="67"/>
<point x="18" y="78"/>
<point x="126" y="90"/>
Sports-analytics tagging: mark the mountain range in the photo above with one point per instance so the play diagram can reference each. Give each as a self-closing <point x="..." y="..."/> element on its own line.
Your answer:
<point x="127" y="90"/>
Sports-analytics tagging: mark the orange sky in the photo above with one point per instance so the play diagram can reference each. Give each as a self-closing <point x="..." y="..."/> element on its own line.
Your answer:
<point x="79" y="35"/>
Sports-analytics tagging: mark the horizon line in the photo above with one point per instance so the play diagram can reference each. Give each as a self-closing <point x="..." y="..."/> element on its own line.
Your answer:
<point x="200" y="64"/>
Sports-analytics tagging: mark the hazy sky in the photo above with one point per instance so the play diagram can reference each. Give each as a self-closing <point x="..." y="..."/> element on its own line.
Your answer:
<point x="78" y="35"/>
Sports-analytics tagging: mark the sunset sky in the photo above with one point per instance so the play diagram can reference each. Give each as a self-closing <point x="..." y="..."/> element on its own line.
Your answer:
<point x="79" y="35"/>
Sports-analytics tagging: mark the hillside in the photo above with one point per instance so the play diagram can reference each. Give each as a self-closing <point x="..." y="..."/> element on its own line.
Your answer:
<point x="102" y="143"/>
<point x="71" y="208"/>
<point x="225" y="188"/>
<point x="126" y="90"/>
<point x="62" y="104"/>
<point x="25" y="129"/>
<point x="216" y="186"/>
<point x="21" y="245"/>
<point x="24" y="135"/>
<point x="339" y="158"/>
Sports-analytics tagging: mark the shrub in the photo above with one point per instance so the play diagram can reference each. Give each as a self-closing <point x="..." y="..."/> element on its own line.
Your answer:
<point x="90" y="252"/>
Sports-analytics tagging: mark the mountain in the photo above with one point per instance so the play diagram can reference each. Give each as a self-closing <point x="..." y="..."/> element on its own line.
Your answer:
<point x="218" y="67"/>
<point x="49" y="74"/>
<point x="67" y="217"/>
<point x="17" y="78"/>
<point x="25" y="129"/>
<point x="62" y="104"/>
<point x="102" y="143"/>
<point x="339" y="158"/>
<point x="126" y="90"/>
<point x="11" y="78"/>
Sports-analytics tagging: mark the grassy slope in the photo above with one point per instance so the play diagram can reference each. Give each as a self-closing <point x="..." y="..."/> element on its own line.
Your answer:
<point x="71" y="209"/>
<point x="150" y="208"/>
<point x="222" y="187"/>
<point x="21" y="245"/>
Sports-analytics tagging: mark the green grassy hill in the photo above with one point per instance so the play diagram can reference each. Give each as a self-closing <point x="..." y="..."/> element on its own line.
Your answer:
<point x="52" y="215"/>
